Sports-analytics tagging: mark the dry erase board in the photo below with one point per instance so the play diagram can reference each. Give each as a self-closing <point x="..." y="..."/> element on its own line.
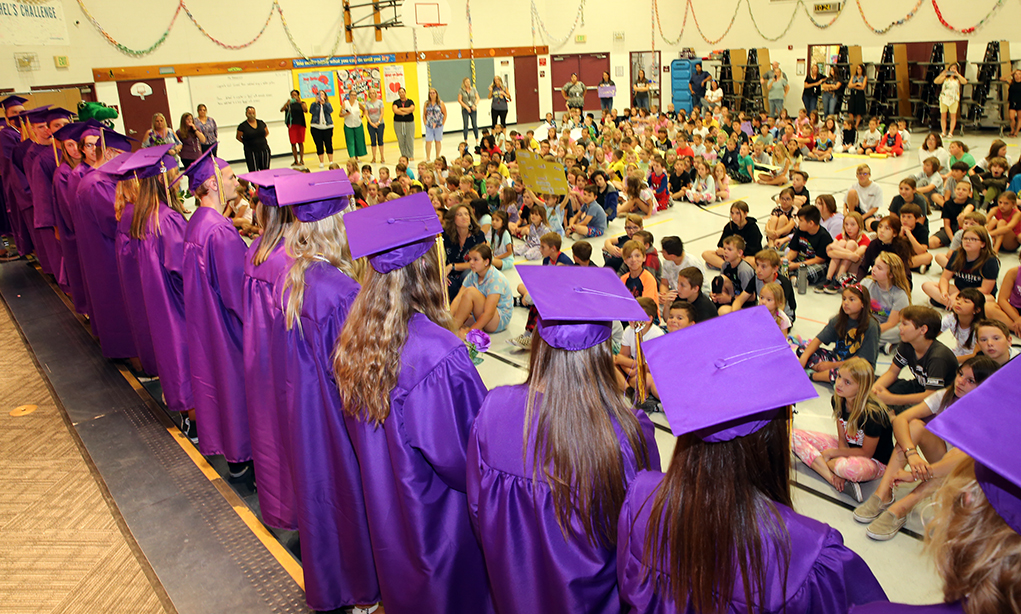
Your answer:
<point x="446" y="76"/>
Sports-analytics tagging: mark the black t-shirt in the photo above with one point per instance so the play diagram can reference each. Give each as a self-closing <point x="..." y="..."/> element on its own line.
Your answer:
<point x="253" y="138"/>
<point x="952" y="209"/>
<point x="875" y="424"/>
<point x="898" y="202"/>
<point x="790" y="298"/>
<point x="971" y="277"/>
<point x="804" y="192"/>
<point x="635" y="285"/>
<point x="295" y="114"/>
<point x="458" y="254"/>
<point x="815" y="89"/>
<point x="729" y="159"/>
<point x="935" y="370"/>
<point x="872" y="252"/>
<point x="404" y="104"/>
<point x="750" y="233"/>
<point x="921" y="233"/>
<point x="704" y="308"/>
<point x="677" y="182"/>
<point x="811" y="246"/>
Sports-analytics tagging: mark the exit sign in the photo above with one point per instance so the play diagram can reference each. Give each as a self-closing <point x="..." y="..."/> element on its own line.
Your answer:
<point x="829" y="7"/>
<point x="579" y="38"/>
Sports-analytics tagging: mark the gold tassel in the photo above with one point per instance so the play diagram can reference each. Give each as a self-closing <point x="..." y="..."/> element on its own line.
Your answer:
<point x="166" y="182"/>
<point x="102" y="140"/>
<point x="441" y="258"/>
<point x="219" y="186"/>
<point x="641" y="393"/>
<point x="56" y="156"/>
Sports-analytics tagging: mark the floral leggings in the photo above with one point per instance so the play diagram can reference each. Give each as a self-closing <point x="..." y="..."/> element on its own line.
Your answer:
<point x="808" y="446"/>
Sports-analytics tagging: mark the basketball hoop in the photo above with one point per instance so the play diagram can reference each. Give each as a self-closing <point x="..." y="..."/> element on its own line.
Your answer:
<point x="437" y="30"/>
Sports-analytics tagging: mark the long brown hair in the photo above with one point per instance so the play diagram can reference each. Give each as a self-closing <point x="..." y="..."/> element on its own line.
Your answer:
<point x="308" y="242"/>
<point x="127" y="192"/>
<point x="714" y="513"/>
<point x="865" y="318"/>
<point x="957" y="263"/>
<point x="576" y="448"/>
<point x="978" y="555"/>
<point x="367" y="356"/>
<point x="274" y="221"/>
<point x="151" y="192"/>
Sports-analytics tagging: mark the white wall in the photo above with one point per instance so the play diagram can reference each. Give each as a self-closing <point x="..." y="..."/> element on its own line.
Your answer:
<point x="315" y="27"/>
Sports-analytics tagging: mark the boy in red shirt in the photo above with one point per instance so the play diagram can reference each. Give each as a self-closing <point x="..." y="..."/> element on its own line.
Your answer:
<point x="659" y="183"/>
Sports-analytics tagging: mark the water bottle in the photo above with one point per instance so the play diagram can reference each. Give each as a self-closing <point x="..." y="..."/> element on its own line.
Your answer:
<point x="785" y="268"/>
<point x="802" y="283"/>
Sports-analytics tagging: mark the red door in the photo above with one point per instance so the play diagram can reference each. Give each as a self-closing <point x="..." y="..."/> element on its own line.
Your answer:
<point x="526" y="88"/>
<point x="137" y="110"/>
<point x="561" y="67"/>
<point x="591" y="68"/>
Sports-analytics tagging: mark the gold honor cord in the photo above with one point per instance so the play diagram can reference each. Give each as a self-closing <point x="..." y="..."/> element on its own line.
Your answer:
<point x="441" y="258"/>
<point x="219" y="186"/>
<point x="56" y="156"/>
<point x="641" y="393"/>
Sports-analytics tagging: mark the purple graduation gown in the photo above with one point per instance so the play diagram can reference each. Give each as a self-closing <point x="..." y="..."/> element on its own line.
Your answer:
<point x="44" y="212"/>
<point x="130" y="273"/>
<point x="883" y="607"/>
<point x="262" y="334"/>
<point x="214" y="263"/>
<point x="75" y="256"/>
<point x="62" y="197"/>
<point x="824" y="576"/>
<point x="160" y="260"/>
<point x="96" y="230"/>
<point x="532" y="567"/>
<point x="336" y="553"/>
<point x="20" y="199"/>
<point x="413" y="473"/>
<point x="9" y="139"/>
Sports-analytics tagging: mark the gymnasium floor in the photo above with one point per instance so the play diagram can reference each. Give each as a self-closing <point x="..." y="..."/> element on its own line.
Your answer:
<point x="211" y="554"/>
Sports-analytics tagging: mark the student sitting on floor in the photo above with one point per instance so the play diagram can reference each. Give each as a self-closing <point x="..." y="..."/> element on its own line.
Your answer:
<point x="627" y="366"/>
<point x="891" y="143"/>
<point x="929" y="182"/>
<point x="639" y="280"/>
<point x="854" y="332"/>
<point x="973" y="265"/>
<point x="888" y="287"/>
<point x="771" y="297"/>
<point x="484" y="301"/>
<point x="882" y="512"/>
<point x="737" y="278"/>
<point x="740" y="224"/>
<point x="952" y="215"/>
<point x="965" y="312"/>
<point x="782" y="220"/>
<point x="845" y="252"/>
<point x="537" y="227"/>
<point x="590" y="221"/>
<point x="689" y="289"/>
<point x="1004" y="223"/>
<point x="864" y="439"/>
<point x="807" y="253"/>
<point x="913" y="229"/>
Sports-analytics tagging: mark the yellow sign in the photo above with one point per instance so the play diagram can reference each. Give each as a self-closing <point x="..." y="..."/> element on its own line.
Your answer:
<point x="541" y="176"/>
<point x="61" y="61"/>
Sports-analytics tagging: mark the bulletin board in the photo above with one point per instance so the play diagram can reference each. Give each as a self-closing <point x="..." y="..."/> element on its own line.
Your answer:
<point x="360" y="79"/>
<point x="446" y="76"/>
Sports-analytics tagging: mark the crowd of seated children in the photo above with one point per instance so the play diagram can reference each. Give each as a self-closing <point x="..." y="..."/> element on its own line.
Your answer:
<point x="920" y="456"/>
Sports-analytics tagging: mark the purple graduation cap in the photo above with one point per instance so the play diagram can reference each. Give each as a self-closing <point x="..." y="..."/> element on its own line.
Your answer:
<point x="57" y="113"/>
<point x="12" y="101"/>
<point x="148" y="162"/>
<point x="726" y="377"/>
<point x="984" y="425"/>
<point x="394" y="233"/>
<point x="207" y="165"/>
<point x="115" y="140"/>
<point x="314" y="196"/>
<point x="266" y="182"/>
<point x="36" y="115"/>
<point x="576" y="305"/>
<point x="76" y="130"/>
<point x="114" y="165"/>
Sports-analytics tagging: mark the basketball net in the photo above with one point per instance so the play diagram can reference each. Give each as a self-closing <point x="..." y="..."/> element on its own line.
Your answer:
<point x="437" y="30"/>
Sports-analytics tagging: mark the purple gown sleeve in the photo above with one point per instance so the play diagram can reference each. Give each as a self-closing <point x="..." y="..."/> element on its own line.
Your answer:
<point x="455" y="392"/>
<point x="172" y="230"/>
<point x="228" y="267"/>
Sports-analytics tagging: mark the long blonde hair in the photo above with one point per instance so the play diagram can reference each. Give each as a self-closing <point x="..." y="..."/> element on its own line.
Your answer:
<point x="864" y="405"/>
<point x="776" y="291"/>
<point x="151" y="192"/>
<point x="367" y="356"/>
<point x="274" y="221"/>
<point x="308" y="242"/>
<point x="898" y="276"/>
<point x="977" y="554"/>
<point x="127" y="191"/>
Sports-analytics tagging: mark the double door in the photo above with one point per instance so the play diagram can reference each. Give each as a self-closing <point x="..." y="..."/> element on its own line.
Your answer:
<point x="589" y="67"/>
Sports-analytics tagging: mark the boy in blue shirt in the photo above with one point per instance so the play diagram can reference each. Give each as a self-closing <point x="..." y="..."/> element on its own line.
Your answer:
<point x="590" y="221"/>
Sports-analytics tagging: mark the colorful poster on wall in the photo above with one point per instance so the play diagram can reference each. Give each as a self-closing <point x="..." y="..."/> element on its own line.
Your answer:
<point x="311" y="83"/>
<point x="359" y="81"/>
<point x="393" y="76"/>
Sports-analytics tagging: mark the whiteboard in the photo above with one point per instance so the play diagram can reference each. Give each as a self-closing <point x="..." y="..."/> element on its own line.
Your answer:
<point x="226" y="97"/>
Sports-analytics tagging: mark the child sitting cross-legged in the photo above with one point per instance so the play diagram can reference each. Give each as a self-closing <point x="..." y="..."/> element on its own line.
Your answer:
<point x="966" y="310"/>
<point x="845" y="252"/>
<point x="538" y="226"/>
<point x="913" y="228"/>
<point x="590" y="221"/>
<point x="920" y="456"/>
<point x="854" y="332"/>
<point x="782" y="220"/>
<point x="689" y="289"/>
<point x="808" y="246"/>
<point x="864" y="433"/>
<point x="740" y="224"/>
<point x="890" y="292"/>
<point x="484" y="301"/>
<point x="738" y="276"/>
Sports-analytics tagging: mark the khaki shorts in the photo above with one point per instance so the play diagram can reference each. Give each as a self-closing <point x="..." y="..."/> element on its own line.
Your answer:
<point x="952" y="108"/>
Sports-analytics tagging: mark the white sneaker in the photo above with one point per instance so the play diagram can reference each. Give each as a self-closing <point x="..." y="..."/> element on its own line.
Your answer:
<point x="522" y="341"/>
<point x="321" y="165"/>
<point x="368" y="610"/>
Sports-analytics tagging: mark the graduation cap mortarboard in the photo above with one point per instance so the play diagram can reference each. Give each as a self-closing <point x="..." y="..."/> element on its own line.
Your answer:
<point x="314" y="196"/>
<point x="577" y="305"/>
<point x="75" y="131"/>
<point x="394" y="233"/>
<point x="266" y="182"/>
<point x="115" y="140"/>
<point x="12" y="101"/>
<point x="36" y="115"/>
<point x="113" y="166"/>
<point x="149" y="162"/>
<point x="207" y="165"/>
<point x="984" y="425"/>
<point x="726" y="377"/>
